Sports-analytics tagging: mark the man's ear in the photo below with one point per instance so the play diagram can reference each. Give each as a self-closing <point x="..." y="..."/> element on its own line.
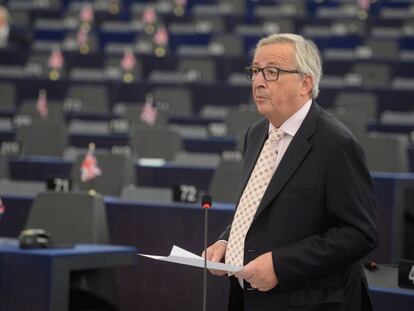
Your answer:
<point x="307" y="85"/>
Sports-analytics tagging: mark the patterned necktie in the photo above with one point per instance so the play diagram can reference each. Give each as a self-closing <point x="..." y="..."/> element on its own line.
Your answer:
<point x="251" y="197"/>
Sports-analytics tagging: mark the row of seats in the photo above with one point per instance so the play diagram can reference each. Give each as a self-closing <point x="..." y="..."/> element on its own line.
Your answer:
<point x="388" y="9"/>
<point x="201" y="68"/>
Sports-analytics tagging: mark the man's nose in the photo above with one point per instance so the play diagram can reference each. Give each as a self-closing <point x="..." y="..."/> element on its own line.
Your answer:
<point x="259" y="80"/>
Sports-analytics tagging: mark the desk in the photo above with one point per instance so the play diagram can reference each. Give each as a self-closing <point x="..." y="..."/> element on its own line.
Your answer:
<point x="153" y="228"/>
<point x="385" y="293"/>
<point x="390" y="189"/>
<point x="391" y="196"/>
<point x="165" y="176"/>
<point x="39" y="279"/>
<point x="154" y="285"/>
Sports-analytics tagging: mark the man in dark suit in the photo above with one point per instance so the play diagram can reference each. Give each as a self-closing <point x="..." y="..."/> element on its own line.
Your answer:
<point x="307" y="213"/>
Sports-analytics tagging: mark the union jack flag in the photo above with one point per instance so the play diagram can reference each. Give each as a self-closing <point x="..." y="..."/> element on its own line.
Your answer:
<point x="86" y="14"/>
<point x="128" y="61"/>
<point x="149" y="16"/>
<point x="149" y="111"/>
<point x="161" y="36"/>
<point x="56" y="59"/>
<point x="2" y="208"/>
<point x="41" y="104"/>
<point x="89" y="167"/>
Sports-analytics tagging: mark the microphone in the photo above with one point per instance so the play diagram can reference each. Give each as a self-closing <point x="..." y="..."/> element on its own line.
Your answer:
<point x="206" y="205"/>
<point x="370" y="265"/>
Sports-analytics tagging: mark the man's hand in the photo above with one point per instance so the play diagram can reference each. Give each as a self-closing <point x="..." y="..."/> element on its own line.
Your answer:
<point x="216" y="253"/>
<point x="260" y="273"/>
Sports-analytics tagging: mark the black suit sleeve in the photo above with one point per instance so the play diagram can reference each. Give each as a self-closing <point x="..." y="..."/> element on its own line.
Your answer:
<point x="351" y="205"/>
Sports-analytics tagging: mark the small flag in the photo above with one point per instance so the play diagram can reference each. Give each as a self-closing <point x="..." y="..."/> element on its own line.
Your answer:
<point x="149" y="16"/>
<point x="128" y="61"/>
<point x="2" y="208"/>
<point x="41" y="104"/>
<point x="89" y="167"/>
<point x="82" y="37"/>
<point x="364" y="4"/>
<point x="149" y="111"/>
<point x="86" y="14"/>
<point x="161" y="37"/>
<point x="181" y="2"/>
<point x="56" y="59"/>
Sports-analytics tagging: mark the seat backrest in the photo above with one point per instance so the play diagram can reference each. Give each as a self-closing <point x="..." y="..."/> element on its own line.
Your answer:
<point x="226" y="44"/>
<point x="21" y="187"/>
<point x="93" y="98"/>
<point x="4" y="167"/>
<point x="357" y="123"/>
<point x="33" y="140"/>
<point x="117" y="172"/>
<point x="225" y="185"/>
<point x="373" y="75"/>
<point x="114" y="63"/>
<point x="8" y="95"/>
<point x="132" y="112"/>
<point x="354" y="102"/>
<point x="238" y="121"/>
<point x="383" y="49"/>
<point x="198" y="69"/>
<point x="386" y="152"/>
<point x="173" y="100"/>
<point x="70" y="217"/>
<point x="147" y="194"/>
<point x="54" y="109"/>
<point x="155" y="142"/>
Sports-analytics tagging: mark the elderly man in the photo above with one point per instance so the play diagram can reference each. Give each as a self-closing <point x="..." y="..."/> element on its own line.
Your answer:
<point x="307" y="213"/>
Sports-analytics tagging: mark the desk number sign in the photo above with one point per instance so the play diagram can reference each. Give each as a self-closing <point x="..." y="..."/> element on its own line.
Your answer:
<point x="185" y="193"/>
<point x="406" y="273"/>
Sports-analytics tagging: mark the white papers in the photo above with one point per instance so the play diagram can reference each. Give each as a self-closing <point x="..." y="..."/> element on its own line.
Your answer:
<point x="184" y="257"/>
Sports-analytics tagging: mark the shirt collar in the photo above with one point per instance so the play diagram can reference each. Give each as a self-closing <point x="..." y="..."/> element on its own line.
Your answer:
<point x="292" y="125"/>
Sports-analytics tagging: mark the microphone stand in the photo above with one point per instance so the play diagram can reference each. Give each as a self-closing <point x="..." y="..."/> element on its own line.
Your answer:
<point x="206" y="204"/>
<point x="205" y="259"/>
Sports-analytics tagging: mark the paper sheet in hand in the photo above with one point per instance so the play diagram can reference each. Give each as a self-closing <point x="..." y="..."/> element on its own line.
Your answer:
<point x="184" y="257"/>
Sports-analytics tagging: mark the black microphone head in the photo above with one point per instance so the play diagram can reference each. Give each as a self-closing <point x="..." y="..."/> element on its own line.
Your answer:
<point x="206" y="201"/>
<point x="370" y="265"/>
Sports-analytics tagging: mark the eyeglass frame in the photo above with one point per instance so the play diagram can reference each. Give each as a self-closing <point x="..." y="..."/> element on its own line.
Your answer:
<point x="279" y="70"/>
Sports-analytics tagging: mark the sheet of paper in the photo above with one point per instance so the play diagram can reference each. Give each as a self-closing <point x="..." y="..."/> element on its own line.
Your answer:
<point x="184" y="257"/>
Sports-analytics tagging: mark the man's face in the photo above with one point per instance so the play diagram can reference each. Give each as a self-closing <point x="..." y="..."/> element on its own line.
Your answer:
<point x="277" y="100"/>
<point x="3" y="19"/>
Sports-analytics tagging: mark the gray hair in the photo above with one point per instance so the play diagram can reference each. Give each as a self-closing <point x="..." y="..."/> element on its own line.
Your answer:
<point x="307" y="56"/>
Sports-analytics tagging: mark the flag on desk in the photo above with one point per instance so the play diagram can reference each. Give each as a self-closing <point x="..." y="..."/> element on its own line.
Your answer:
<point x="2" y="208"/>
<point x="89" y="167"/>
<point x="149" y="16"/>
<point x="149" y="111"/>
<point x="161" y="36"/>
<point x="181" y="2"/>
<point x="86" y="14"/>
<point x="364" y="4"/>
<point x="82" y="37"/>
<point x="128" y="61"/>
<point x="41" y="104"/>
<point x="56" y="59"/>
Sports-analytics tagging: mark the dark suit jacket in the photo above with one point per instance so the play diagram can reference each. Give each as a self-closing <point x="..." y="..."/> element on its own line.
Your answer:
<point x="318" y="217"/>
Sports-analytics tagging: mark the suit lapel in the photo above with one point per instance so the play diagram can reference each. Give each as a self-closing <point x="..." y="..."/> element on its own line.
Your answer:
<point x="298" y="148"/>
<point x="260" y="137"/>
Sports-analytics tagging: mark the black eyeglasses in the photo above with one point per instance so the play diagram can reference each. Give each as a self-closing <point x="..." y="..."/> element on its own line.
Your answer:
<point x="269" y="73"/>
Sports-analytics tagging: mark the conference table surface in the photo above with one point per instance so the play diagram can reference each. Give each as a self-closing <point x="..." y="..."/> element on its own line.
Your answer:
<point x="39" y="279"/>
